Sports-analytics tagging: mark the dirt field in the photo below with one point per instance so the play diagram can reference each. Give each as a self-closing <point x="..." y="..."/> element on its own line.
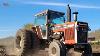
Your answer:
<point x="10" y="50"/>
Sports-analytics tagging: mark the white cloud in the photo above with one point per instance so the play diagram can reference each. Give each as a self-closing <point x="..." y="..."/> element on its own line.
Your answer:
<point x="60" y="4"/>
<point x="46" y="3"/>
<point x="84" y="6"/>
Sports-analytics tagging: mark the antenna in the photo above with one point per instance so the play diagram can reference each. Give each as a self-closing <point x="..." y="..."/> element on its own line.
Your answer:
<point x="69" y="2"/>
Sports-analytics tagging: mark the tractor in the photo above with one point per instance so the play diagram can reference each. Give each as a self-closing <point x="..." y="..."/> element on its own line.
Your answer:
<point x="61" y="36"/>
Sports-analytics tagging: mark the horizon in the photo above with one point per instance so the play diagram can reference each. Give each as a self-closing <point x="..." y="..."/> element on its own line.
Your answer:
<point x="17" y="13"/>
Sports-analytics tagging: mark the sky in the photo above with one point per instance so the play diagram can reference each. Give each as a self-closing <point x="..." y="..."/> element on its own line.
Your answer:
<point x="20" y="12"/>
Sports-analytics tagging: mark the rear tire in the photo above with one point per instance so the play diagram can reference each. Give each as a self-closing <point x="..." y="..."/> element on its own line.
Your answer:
<point x="23" y="42"/>
<point x="57" y="48"/>
<point x="87" y="50"/>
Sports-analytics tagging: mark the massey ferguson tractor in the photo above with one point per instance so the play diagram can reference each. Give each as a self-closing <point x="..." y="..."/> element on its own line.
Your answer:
<point x="61" y="36"/>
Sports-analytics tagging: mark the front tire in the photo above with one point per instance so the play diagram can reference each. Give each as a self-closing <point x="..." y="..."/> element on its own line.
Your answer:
<point x="87" y="50"/>
<point x="57" y="48"/>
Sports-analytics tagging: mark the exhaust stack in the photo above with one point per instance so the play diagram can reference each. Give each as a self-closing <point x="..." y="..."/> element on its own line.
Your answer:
<point x="75" y="16"/>
<point x="68" y="14"/>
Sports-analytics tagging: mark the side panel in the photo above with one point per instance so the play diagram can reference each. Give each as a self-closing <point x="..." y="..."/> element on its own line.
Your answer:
<point x="70" y="34"/>
<point x="39" y="33"/>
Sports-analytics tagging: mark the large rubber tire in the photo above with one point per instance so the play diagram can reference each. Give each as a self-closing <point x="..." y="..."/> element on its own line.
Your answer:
<point x="87" y="50"/>
<point x="23" y="41"/>
<point x="57" y="48"/>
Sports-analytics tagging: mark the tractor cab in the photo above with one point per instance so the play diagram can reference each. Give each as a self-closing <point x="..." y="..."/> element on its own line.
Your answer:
<point x="45" y="20"/>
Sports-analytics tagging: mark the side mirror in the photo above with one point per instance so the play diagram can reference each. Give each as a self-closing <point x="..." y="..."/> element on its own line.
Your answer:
<point x="89" y="29"/>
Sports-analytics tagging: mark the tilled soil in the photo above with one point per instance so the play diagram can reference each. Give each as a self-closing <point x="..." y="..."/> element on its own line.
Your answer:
<point x="10" y="50"/>
<point x="41" y="53"/>
<point x="37" y="53"/>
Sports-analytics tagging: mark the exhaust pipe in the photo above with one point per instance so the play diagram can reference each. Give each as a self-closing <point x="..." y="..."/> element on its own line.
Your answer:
<point x="68" y="14"/>
<point x="75" y="16"/>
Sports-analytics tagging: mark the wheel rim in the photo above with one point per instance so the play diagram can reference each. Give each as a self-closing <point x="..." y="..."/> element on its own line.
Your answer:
<point x="54" y="50"/>
<point x="21" y="43"/>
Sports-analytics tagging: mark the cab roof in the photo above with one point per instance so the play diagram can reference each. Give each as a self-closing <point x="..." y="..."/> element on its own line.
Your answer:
<point x="51" y="12"/>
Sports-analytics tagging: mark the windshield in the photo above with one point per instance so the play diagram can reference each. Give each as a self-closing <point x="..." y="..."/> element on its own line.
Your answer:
<point x="40" y="20"/>
<point x="59" y="20"/>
